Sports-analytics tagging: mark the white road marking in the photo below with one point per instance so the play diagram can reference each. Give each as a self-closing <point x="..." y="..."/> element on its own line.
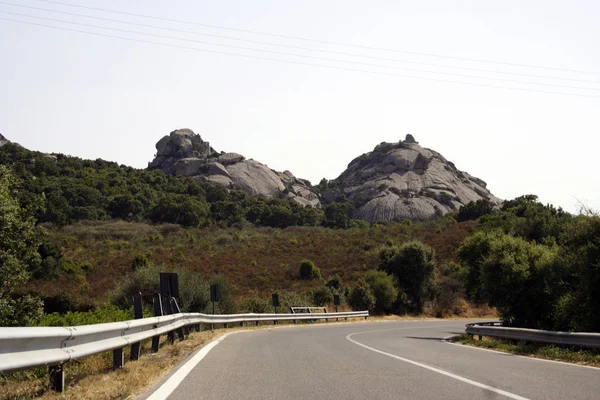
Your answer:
<point x="171" y="384"/>
<point x="437" y="370"/>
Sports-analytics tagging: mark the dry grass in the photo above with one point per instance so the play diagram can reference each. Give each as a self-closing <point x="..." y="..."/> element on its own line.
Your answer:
<point x="93" y="378"/>
<point x="252" y="260"/>
<point x="573" y="355"/>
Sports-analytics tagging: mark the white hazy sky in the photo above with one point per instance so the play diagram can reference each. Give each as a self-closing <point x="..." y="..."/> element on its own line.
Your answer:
<point x="100" y="97"/>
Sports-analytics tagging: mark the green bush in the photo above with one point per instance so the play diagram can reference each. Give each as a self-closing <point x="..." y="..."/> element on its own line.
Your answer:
<point x="18" y="255"/>
<point x="289" y="299"/>
<point x="322" y="296"/>
<point x="255" y="304"/>
<point x="108" y="313"/>
<point x="413" y="264"/>
<point x="194" y="290"/>
<point x="309" y="271"/>
<point x="140" y="261"/>
<point x="226" y="305"/>
<point x="361" y="297"/>
<point x="383" y="287"/>
<point x="475" y="210"/>
<point x="338" y="215"/>
<point x="334" y="282"/>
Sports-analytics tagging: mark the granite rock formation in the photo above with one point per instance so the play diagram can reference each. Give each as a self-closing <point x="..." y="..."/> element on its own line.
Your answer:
<point x="403" y="180"/>
<point x="184" y="152"/>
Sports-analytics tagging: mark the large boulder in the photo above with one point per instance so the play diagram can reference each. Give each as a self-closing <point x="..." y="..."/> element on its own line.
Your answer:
<point x="403" y="180"/>
<point x="185" y="153"/>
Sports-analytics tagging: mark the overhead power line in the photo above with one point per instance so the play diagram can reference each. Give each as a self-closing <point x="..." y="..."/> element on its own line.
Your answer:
<point x="316" y="40"/>
<point x="298" y="47"/>
<point x="302" y="55"/>
<point x="297" y="62"/>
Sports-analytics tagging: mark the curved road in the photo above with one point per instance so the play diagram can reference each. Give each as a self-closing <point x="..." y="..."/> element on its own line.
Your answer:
<point x="382" y="360"/>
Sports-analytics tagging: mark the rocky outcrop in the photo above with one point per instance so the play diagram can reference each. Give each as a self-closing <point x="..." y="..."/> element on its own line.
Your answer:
<point x="3" y="140"/>
<point x="184" y="152"/>
<point x="403" y="180"/>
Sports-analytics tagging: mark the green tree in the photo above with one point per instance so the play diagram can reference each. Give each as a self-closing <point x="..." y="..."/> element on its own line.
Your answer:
<point x="309" y="271"/>
<point x="18" y="254"/>
<point x="520" y="280"/>
<point x="126" y="207"/>
<point x="474" y="210"/>
<point x="338" y="215"/>
<point x="180" y="210"/>
<point x="472" y="253"/>
<point x="384" y="290"/>
<point x="52" y="259"/>
<point x="413" y="264"/>
<point x="577" y="309"/>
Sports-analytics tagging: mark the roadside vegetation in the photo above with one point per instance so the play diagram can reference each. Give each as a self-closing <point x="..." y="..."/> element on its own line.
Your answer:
<point x="78" y="238"/>
<point x="538" y="350"/>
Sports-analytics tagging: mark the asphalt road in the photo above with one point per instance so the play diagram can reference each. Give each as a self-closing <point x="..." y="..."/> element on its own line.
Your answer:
<point x="384" y="360"/>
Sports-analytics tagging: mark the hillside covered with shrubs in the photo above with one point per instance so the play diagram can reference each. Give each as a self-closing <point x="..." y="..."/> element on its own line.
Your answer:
<point x="80" y="237"/>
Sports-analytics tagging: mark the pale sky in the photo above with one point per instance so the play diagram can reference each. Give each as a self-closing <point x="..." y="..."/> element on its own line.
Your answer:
<point x="101" y="97"/>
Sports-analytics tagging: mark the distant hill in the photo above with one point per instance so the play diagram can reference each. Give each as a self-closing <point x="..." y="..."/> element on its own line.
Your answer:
<point x="191" y="184"/>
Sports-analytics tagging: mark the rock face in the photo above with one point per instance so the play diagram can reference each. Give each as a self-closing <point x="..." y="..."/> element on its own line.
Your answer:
<point x="3" y="140"/>
<point x="403" y="180"/>
<point x="184" y="152"/>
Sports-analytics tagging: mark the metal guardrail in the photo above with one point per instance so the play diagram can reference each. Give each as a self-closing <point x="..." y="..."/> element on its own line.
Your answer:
<point x="495" y="329"/>
<point x="33" y="347"/>
<point x="307" y="309"/>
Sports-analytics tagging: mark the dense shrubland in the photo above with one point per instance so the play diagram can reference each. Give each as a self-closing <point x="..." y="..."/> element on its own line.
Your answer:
<point x="89" y="234"/>
<point x="538" y="265"/>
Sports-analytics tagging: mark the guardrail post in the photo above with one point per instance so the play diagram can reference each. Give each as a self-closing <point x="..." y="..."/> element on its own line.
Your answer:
<point x="171" y="334"/>
<point x="118" y="358"/>
<point x="138" y="313"/>
<point x="178" y="311"/>
<point x="57" y="377"/>
<point x="158" y="312"/>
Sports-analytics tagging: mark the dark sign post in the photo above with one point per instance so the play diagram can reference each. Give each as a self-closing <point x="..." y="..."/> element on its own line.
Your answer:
<point x="336" y="301"/>
<point x="275" y="298"/>
<point x="169" y="284"/>
<point x="215" y="295"/>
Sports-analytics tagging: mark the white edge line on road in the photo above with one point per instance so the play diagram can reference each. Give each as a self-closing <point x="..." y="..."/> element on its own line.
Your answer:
<point x="437" y="370"/>
<point x="169" y="386"/>
<point x="466" y="346"/>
